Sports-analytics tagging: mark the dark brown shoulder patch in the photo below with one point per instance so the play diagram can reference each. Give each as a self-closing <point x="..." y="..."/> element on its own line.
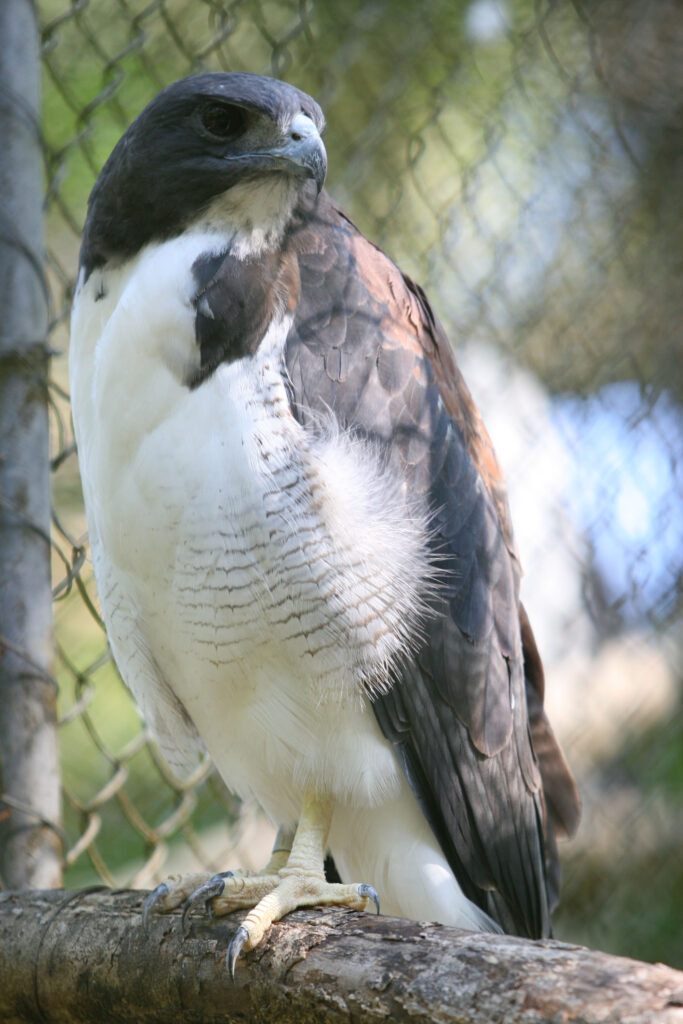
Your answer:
<point x="235" y="302"/>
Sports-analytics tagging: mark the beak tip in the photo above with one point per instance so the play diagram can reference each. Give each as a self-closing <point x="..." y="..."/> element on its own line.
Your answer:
<point x="320" y="176"/>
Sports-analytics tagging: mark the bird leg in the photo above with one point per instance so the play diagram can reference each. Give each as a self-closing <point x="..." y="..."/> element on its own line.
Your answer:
<point x="301" y="882"/>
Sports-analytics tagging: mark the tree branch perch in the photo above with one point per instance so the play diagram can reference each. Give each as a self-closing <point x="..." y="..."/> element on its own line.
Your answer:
<point x="69" y="957"/>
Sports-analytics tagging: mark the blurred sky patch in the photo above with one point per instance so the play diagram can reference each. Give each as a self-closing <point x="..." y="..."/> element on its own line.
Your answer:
<point x="626" y="492"/>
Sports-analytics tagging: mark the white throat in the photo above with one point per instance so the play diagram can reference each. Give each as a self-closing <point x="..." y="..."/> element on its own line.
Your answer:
<point x="254" y="214"/>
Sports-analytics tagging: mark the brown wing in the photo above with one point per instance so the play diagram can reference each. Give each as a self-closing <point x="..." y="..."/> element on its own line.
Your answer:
<point x="366" y="345"/>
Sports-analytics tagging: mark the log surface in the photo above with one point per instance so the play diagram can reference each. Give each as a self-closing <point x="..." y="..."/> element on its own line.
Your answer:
<point x="69" y="957"/>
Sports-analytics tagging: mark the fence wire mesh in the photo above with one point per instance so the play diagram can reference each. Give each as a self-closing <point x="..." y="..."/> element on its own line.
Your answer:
<point x="522" y="159"/>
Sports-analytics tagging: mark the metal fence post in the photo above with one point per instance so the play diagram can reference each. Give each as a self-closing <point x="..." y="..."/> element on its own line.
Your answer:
<point x="30" y="853"/>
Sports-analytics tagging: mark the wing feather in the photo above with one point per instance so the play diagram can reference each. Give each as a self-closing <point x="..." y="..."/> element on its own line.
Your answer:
<point x="366" y="345"/>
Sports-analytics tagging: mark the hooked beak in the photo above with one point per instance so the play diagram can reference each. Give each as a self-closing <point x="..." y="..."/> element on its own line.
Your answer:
<point x="303" y="150"/>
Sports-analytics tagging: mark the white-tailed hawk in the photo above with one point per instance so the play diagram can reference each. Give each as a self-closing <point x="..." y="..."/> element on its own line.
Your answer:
<point x="299" y="529"/>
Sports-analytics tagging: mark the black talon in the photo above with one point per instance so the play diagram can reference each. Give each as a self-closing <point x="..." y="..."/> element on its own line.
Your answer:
<point x="369" y="893"/>
<point x="208" y="905"/>
<point x="214" y="887"/>
<point x="235" y="948"/>
<point x="149" y="902"/>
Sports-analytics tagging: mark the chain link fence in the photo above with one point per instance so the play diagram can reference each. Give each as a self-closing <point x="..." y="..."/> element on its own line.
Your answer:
<point x="522" y="159"/>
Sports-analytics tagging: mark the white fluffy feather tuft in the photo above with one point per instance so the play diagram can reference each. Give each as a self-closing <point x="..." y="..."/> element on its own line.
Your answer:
<point x="380" y="534"/>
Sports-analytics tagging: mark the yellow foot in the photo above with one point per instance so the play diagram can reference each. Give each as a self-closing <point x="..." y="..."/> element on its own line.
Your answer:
<point x="187" y="890"/>
<point x="300" y="883"/>
<point x="295" y="889"/>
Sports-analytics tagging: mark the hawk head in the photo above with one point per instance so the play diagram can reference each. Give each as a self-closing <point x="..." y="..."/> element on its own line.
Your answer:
<point x="235" y="148"/>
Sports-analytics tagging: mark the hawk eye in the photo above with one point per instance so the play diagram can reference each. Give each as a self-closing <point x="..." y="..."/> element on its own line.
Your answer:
<point x="223" y="121"/>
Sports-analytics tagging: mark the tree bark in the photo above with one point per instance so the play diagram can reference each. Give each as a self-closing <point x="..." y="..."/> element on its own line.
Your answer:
<point x="69" y="957"/>
<point x="30" y="853"/>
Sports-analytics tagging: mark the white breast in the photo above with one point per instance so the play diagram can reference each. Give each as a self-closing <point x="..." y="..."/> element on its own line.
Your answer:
<point x="267" y="572"/>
